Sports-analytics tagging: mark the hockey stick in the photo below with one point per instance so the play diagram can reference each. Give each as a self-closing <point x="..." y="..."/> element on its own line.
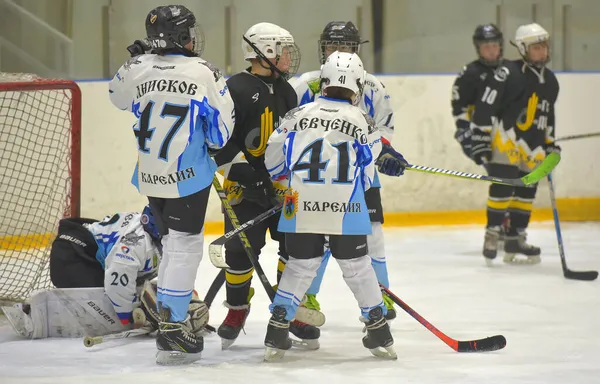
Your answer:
<point x="488" y="344"/>
<point x="243" y="238"/>
<point x="89" y="341"/>
<point x="215" y="249"/>
<point x="581" y="275"/>
<point x="531" y="178"/>
<point x="581" y="136"/>
<point x="214" y="288"/>
<point x="303" y="314"/>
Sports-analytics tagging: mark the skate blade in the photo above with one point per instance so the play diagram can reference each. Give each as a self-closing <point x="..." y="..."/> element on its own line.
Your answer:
<point x="511" y="258"/>
<point x="489" y="262"/>
<point x="309" y="345"/>
<point x="310" y="316"/>
<point x="388" y="353"/>
<point x="273" y="354"/>
<point x="226" y="343"/>
<point x="176" y="357"/>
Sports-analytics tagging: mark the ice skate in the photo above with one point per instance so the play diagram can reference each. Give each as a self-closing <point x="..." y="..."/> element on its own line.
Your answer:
<point x="176" y="343"/>
<point x="517" y="246"/>
<point x="277" y="339"/>
<point x="308" y="335"/>
<point x="309" y="311"/>
<point x="490" y="244"/>
<point x="234" y="322"/>
<point x="379" y="339"/>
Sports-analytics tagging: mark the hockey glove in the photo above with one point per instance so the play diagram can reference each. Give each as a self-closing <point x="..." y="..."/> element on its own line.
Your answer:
<point x="139" y="47"/>
<point x="481" y="146"/>
<point x="463" y="136"/>
<point x="390" y="162"/>
<point x="260" y="190"/>
<point x="552" y="148"/>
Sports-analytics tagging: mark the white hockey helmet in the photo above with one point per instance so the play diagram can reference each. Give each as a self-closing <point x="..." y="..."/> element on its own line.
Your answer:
<point x="270" y="40"/>
<point x="529" y="34"/>
<point x="344" y="70"/>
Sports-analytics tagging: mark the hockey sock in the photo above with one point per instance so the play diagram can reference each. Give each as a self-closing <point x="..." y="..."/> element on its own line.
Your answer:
<point x="182" y="253"/>
<point x="361" y="280"/>
<point x="315" y="286"/>
<point x="294" y="282"/>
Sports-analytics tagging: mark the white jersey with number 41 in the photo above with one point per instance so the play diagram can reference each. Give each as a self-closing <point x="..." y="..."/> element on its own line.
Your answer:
<point x="327" y="149"/>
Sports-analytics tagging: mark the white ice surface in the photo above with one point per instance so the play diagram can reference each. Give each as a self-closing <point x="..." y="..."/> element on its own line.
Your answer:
<point x="551" y="324"/>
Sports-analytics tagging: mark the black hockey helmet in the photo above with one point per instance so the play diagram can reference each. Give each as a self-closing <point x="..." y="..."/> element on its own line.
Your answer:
<point x="339" y="33"/>
<point x="488" y="33"/>
<point x="171" y="27"/>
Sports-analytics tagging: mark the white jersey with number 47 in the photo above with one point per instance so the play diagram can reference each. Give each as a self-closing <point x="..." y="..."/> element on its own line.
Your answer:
<point x="183" y="108"/>
<point x="327" y="149"/>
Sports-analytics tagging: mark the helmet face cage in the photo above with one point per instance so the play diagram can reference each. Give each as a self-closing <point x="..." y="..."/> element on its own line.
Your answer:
<point x="285" y="53"/>
<point x="197" y="35"/>
<point x="289" y="52"/>
<point x="351" y="46"/>
<point x="342" y="36"/>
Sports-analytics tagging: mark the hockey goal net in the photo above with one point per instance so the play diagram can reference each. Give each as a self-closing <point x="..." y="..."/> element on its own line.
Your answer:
<point x="39" y="176"/>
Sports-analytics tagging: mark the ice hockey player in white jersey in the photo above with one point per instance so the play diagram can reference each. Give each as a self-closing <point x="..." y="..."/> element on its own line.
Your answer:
<point x="117" y="253"/>
<point x="184" y="113"/>
<point x="327" y="149"/>
<point x="102" y="270"/>
<point x="375" y="101"/>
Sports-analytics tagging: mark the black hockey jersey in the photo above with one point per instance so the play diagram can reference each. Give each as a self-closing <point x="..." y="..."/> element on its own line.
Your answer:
<point x="260" y="103"/>
<point x="535" y="111"/>
<point x="482" y="95"/>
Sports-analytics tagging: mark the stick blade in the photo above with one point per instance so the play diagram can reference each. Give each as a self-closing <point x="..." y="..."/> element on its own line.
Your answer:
<point x="488" y="344"/>
<point x="581" y="275"/>
<point x="215" y="252"/>
<point x="549" y="163"/>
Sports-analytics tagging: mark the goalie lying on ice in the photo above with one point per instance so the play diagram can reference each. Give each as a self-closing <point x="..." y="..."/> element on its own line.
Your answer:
<point x="102" y="271"/>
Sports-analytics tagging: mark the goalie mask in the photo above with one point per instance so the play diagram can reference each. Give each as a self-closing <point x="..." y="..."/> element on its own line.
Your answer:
<point x="532" y="41"/>
<point x="173" y="29"/>
<point x="275" y="46"/>
<point x="339" y="36"/>
<point x="344" y="70"/>
<point x="488" y="34"/>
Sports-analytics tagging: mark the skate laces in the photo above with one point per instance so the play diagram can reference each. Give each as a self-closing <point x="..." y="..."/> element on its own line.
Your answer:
<point x="389" y="303"/>
<point x="311" y="302"/>
<point x="236" y="317"/>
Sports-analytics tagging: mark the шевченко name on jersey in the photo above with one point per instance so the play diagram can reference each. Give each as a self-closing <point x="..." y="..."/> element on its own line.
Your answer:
<point x="340" y="125"/>
<point x="171" y="178"/>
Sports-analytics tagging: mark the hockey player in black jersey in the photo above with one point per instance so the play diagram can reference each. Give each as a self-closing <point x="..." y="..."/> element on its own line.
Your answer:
<point x="519" y="148"/>
<point x="262" y="96"/>
<point x="494" y="106"/>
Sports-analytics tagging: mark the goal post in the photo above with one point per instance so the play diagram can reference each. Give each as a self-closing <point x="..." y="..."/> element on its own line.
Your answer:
<point x="40" y="168"/>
